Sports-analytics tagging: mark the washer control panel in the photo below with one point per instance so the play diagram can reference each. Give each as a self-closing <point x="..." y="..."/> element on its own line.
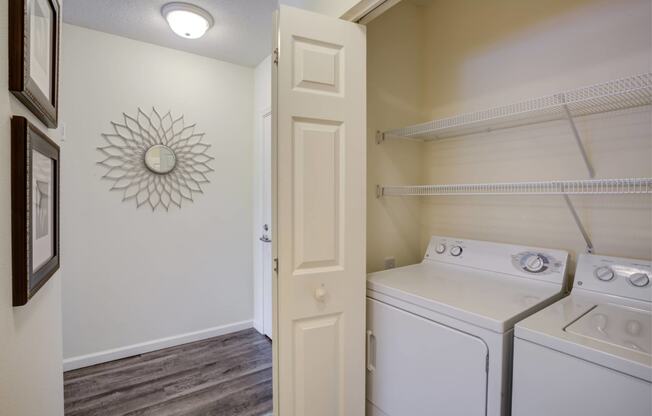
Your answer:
<point x="536" y="263"/>
<point x="615" y="276"/>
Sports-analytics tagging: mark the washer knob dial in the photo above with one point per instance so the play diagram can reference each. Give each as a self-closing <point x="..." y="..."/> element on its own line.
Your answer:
<point x="639" y="279"/>
<point x="456" y="251"/>
<point x="441" y="247"/>
<point x="535" y="263"/>
<point x="604" y="273"/>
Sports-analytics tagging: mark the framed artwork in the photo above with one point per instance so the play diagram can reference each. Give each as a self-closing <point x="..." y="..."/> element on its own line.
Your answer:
<point x="34" y="209"/>
<point x="34" y="56"/>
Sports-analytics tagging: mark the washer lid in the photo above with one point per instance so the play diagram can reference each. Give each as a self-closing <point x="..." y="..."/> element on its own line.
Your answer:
<point x="603" y="329"/>
<point x="494" y="301"/>
<point x="617" y="325"/>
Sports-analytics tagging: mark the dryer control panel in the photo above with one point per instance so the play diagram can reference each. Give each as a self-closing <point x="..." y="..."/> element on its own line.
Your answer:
<point x="531" y="262"/>
<point x="616" y="276"/>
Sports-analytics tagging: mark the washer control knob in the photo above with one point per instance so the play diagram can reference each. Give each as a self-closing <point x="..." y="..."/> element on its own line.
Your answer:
<point x="604" y="273"/>
<point x="639" y="279"/>
<point x="441" y="247"/>
<point x="535" y="263"/>
<point x="456" y="251"/>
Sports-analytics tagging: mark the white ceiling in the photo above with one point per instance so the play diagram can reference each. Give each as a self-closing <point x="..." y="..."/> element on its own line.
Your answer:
<point x="242" y="33"/>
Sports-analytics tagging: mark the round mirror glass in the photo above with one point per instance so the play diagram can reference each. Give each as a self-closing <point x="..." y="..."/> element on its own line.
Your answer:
<point x="160" y="159"/>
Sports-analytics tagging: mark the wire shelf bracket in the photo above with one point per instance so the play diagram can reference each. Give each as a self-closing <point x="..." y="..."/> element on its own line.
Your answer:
<point x="639" y="186"/>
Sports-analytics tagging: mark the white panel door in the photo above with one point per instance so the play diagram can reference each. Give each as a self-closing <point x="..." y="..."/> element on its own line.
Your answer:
<point x="320" y="128"/>
<point x="418" y="367"/>
<point x="267" y="222"/>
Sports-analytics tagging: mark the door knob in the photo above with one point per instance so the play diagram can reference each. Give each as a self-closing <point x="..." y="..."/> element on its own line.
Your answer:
<point x="320" y="293"/>
<point x="265" y="239"/>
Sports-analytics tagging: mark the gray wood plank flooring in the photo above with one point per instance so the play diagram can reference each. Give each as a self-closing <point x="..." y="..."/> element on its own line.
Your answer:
<point x="230" y="375"/>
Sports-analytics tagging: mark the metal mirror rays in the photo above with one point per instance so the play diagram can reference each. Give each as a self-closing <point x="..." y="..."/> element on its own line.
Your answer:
<point x="155" y="159"/>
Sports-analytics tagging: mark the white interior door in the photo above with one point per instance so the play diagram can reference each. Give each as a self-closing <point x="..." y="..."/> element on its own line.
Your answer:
<point x="319" y="137"/>
<point x="266" y="237"/>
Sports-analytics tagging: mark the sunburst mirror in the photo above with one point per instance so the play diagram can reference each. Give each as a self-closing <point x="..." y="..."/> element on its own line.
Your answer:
<point x="155" y="159"/>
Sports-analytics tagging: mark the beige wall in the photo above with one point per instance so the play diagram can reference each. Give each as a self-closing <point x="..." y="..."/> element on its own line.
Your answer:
<point x="395" y="78"/>
<point x="31" y="380"/>
<point x="485" y="54"/>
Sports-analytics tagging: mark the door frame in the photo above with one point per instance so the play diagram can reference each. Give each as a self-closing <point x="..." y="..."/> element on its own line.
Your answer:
<point x="258" y="285"/>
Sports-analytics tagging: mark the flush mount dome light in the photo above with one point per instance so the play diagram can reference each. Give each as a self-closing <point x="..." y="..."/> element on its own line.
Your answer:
<point x="187" y="20"/>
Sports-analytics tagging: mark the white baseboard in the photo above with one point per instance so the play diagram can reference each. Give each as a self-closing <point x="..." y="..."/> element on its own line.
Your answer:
<point x="148" y="346"/>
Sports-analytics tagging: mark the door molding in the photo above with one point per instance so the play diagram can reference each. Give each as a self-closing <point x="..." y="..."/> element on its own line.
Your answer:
<point x="258" y="320"/>
<point x="367" y="10"/>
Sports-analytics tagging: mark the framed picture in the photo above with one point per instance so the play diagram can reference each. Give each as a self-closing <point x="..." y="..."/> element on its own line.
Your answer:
<point x="34" y="56"/>
<point x="34" y="209"/>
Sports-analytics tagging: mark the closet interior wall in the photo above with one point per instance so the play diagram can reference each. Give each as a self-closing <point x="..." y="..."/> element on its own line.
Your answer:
<point x="479" y="55"/>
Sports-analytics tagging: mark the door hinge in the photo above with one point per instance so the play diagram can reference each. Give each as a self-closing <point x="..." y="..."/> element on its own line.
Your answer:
<point x="276" y="56"/>
<point x="276" y="265"/>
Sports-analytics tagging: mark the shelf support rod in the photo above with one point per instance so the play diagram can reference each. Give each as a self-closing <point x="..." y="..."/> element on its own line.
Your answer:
<point x="578" y="222"/>
<point x="578" y="140"/>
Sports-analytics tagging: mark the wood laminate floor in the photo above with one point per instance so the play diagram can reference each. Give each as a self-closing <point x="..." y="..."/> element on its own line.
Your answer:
<point x="230" y="375"/>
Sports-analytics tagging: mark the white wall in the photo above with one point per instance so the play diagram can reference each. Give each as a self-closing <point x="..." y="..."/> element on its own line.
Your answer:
<point x="262" y="104"/>
<point x="483" y="54"/>
<point x="135" y="277"/>
<point x="31" y="382"/>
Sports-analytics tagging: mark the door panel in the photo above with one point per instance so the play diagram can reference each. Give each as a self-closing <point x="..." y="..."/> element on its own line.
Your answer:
<point x="418" y="367"/>
<point x="320" y="113"/>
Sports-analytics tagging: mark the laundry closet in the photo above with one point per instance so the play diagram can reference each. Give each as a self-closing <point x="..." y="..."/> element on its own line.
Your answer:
<point x="524" y="123"/>
<point x="432" y="60"/>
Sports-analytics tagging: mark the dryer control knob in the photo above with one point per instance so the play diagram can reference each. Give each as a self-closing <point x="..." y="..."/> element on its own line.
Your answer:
<point x="456" y="251"/>
<point x="639" y="279"/>
<point x="604" y="273"/>
<point x="535" y="263"/>
<point x="441" y="247"/>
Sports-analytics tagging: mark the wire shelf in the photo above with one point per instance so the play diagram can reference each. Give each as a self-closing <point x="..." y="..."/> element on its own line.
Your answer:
<point x="614" y="95"/>
<point x="576" y="187"/>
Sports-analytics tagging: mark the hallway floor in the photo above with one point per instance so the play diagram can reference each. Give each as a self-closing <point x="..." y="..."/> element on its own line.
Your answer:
<point x="230" y="375"/>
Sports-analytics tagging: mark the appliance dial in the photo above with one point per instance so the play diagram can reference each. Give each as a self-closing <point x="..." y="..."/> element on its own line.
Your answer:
<point x="535" y="263"/>
<point x="456" y="251"/>
<point x="441" y="247"/>
<point x="604" y="273"/>
<point x="639" y="279"/>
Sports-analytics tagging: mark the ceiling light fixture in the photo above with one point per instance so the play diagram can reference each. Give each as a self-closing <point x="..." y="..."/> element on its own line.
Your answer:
<point x="187" y="20"/>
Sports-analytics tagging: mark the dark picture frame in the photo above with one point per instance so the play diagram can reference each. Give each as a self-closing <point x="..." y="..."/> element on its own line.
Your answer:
<point x="29" y="149"/>
<point x="33" y="61"/>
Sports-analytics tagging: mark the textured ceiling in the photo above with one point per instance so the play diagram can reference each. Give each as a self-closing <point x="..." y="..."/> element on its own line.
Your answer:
<point x="242" y="33"/>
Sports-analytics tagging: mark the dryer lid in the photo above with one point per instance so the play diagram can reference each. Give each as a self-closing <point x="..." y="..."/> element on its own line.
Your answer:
<point x="617" y="325"/>
<point x="486" y="299"/>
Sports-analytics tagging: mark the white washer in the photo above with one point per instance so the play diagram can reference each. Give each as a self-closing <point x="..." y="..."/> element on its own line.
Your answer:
<point x="589" y="353"/>
<point x="440" y="332"/>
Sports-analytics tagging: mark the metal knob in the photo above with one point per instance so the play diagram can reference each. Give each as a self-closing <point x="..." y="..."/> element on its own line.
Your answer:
<point x="456" y="251"/>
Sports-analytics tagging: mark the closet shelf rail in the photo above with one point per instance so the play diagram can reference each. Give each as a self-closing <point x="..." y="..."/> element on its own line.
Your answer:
<point x="610" y="96"/>
<point x="566" y="187"/>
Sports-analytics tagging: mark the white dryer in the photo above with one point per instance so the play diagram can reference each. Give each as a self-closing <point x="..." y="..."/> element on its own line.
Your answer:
<point x="589" y="353"/>
<point x="439" y="337"/>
